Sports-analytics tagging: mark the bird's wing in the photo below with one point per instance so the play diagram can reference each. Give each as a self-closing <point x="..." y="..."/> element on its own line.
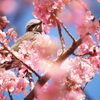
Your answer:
<point x="29" y="36"/>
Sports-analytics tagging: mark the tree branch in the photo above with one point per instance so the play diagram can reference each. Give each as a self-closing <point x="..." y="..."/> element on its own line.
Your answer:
<point x="69" y="51"/>
<point x="29" y="75"/>
<point x="10" y="95"/>
<point x="8" y="49"/>
<point x="61" y="37"/>
<point x="40" y="82"/>
<point x="59" y="21"/>
<point x="81" y="55"/>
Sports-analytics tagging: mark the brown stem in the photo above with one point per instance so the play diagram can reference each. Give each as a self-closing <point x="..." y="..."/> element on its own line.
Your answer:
<point x="59" y="21"/>
<point x="69" y="51"/>
<point x="10" y="95"/>
<point x="86" y="84"/>
<point x="81" y="55"/>
<point x="31" y="81"/>
<point x="40" y="82"/>
<point x="61" y="37"/>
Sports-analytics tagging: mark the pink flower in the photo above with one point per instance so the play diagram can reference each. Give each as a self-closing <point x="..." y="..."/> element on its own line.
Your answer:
<point x="2" y="97"/>
<point x="97" y="36"/>
<point x="46" y="46"/>
<point x="10" y="6"/>
<point x="82" y="28"/>
<point x="21" y="84"/>
<point x="85" y="26"/>
<point x="98" y="1"/>
<point x="4" y="58"/>
<point x="3" y="22"/>
<point x="2" y="36"/>
<point x="47" y="8"/>
<point x="12" y="33"/>
<point x="88" y="16"/>
<point x="8" y="80"/>
<point x="87" y="45"/>
<point x="75" y="95"/>
<point x="93" y="26"/>
<point x="79" y="72"/>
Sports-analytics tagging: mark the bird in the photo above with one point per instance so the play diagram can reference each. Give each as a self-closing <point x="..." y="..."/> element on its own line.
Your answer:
<point x="33" y="28"/>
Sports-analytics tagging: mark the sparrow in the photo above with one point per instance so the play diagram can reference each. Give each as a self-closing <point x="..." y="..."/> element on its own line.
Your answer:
<point x="33" y="28"/>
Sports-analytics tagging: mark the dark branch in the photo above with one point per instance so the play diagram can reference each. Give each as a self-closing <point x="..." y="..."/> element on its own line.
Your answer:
<point x="31" y="81"/>
<point x="81" y="55"/>
<point x="61" y="37"/>
<point x="59" y="21"/>
<point x="70" y="50"/>
<point x="40" y="82"/>
<point x="10" y="95"/>
<point x="6" y="47"/>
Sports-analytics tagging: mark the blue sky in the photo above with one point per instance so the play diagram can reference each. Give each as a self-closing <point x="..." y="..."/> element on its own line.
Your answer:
<point x="25" y="14"/>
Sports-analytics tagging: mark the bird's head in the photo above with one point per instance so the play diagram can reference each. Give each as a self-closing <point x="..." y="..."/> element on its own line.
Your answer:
<point x="34" y="25"/>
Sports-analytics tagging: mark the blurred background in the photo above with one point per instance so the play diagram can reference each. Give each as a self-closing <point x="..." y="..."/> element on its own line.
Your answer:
<point x="19" y="12"/>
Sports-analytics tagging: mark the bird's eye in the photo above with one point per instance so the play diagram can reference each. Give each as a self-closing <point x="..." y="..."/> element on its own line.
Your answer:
<point x="33" y="25"/>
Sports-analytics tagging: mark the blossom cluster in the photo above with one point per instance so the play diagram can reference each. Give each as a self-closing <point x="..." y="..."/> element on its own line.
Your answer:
<point x="47" y="8"/>
<point x="3" y="22"/>
<point x="10" y="6"/>
<point x="11" y="83"/>
<point x="86" y="26"/>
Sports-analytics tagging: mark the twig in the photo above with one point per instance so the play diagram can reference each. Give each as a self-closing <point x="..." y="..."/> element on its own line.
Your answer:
<point x="86" y="84"/>
<point x="81" y="54"/>
<point x="29" y="75"/>
<point x="40" y="83"/>
<point x="59" y="21"/>
<point x="10" y="95"/>
<point x="68" y="32"/>
<point x="69" y="51"/>
<point x="83" y="5"/>
<point x="61" y="38"/>
<point x="6" y="47"/>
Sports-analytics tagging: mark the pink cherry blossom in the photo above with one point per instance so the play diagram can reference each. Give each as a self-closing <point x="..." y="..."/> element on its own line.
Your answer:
<point x="2" y="36"/>
<point x="12" y="33"/>
<point x="10" y="6"/>
<point x="98" y="0"/>
<point x="5" y="58"/>
<point x="2" y="97"/>
<point x="3" y="22"/>
<point x="82" y="28"/>
<point x="38" y="52"/>
<point x="79" y="72"/>
<point x="75" y="95"/>
<point x="85" y="25"/>
<point x="97" y="36"/>
<point x="87" y="45"/>
<point x="10" y="82"/>
<point x="46" y="8"/>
